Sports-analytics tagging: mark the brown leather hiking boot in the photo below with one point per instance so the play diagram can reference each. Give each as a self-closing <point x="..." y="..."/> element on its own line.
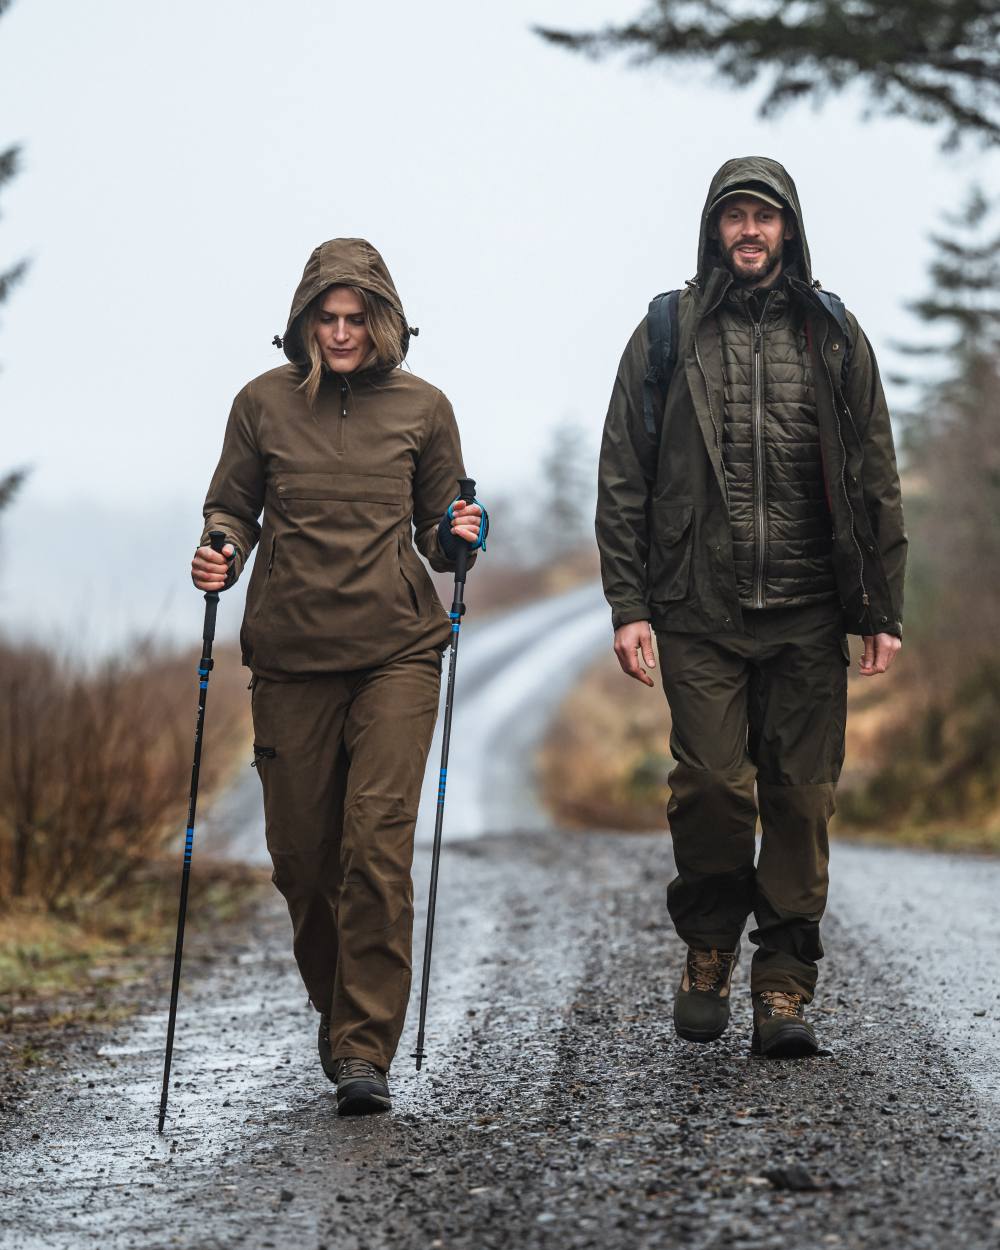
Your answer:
<point x="701" y="1005"/>
<point x="362" y="1088"/>
<point x="780" y="1029"/>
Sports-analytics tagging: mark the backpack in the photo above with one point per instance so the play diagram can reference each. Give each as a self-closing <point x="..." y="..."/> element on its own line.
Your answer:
<point x="663" y="332"/>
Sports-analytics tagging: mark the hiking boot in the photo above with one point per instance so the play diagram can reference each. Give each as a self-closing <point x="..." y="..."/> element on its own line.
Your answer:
<point x="323" y="1044"/>
<point x="361" y="1087"/>
<point x="780" y="1030"/>
<point x="701" y="1005"/>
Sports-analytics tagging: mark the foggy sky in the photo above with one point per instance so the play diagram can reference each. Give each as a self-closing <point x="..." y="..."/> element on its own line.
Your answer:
<point x="182" y="160"/>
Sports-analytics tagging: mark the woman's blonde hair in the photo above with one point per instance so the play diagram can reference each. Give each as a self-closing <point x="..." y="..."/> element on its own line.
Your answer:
<point x="385" y="326"/>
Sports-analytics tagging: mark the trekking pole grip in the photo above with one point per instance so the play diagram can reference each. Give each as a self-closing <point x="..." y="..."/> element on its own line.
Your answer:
<point x="467" y="494"/>
<point x="217" y="540"/>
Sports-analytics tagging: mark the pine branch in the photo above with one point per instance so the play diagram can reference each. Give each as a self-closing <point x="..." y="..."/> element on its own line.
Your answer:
<point x="10" y="484"/>
<point x="11" y="278"/>
<point x="935" y="63"/>
<point x="9" y="162"/>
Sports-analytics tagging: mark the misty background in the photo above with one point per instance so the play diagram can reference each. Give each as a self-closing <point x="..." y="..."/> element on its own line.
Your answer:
<point x="180" y="162"/>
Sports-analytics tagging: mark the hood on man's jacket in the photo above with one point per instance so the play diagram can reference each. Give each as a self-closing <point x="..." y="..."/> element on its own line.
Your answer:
<point x="751" y="171"/>
<point x="339" y="262"/>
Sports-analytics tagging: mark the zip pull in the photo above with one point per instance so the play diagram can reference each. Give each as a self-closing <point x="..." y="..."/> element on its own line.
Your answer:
<point x="758" y="336"/>
<point x="343" y="399"/>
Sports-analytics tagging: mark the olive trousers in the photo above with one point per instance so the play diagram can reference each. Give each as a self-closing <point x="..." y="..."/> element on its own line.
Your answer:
<point x="759" y="710"/>
<point x="341" y="759"/>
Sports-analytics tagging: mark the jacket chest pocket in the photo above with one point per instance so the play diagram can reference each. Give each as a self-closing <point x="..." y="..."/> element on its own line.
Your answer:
<point x="669" y="567"/>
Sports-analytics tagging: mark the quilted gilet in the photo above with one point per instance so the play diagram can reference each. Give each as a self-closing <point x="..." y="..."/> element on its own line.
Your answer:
<point x="781" y="528"/>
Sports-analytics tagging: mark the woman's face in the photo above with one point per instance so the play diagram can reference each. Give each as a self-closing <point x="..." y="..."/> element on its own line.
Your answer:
<point x="341" y="330"/>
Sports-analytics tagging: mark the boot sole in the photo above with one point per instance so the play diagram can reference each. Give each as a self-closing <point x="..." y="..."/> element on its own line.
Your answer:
<point x="697" y="1035"/>
<point x="363" y="1103"/>
<point x="791" y="1043"/>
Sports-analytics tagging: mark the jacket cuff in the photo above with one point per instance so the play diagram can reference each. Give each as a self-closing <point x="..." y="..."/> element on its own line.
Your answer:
<point x="447" y="541"/>
<point x="628" y="616"/>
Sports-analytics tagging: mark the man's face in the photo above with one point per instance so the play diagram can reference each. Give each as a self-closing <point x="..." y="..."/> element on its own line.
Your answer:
<point x="752" y="235"/>
<point x="341" y="330"/>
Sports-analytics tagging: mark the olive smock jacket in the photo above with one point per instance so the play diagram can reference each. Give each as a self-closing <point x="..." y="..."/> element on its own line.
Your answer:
<point x="343" y="487"/>
<point x="663" y="523"/>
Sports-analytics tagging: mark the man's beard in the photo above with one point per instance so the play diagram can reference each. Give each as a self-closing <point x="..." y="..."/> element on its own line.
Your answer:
<point x="744" y="277"/>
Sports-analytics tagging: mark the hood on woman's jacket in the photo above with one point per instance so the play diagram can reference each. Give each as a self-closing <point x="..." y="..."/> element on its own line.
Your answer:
<point x="339" y="262"/>
<point x="748" y="172"/>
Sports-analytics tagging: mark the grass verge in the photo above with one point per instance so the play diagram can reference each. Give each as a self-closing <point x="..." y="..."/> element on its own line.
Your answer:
<point x="919" y="772"/>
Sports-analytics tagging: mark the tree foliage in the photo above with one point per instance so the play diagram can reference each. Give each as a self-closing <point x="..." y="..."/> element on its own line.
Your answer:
<point x="11" y="481"/>
<point x="934" y="61"/>
<point x="950" y="435"/>
<point x="8" y="168"/>
<point x="567" y="475"/>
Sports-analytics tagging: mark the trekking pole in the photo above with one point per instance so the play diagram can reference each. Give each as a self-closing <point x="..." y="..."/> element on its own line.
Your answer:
<point x="217" y="541"/>
<point x="467" y="493"/>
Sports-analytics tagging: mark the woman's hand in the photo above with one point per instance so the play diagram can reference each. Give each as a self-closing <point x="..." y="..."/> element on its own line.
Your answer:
<point x="465" y="520"/>
<point x="210" y="569"/>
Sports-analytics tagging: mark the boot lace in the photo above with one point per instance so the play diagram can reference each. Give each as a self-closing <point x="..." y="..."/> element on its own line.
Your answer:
<point x="354" y="1069"/>
<point x="780" y="1004"/>
<point x="708" y="969"/>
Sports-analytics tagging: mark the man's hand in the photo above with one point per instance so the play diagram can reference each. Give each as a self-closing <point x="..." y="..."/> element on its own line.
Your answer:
<point x="879" y="652"/>
<point x="210" y="569"/>
<point x="631" y="641"/>
<point x="465" y="520"/>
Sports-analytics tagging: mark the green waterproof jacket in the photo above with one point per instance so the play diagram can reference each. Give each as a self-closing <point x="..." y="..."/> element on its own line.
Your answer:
<point x="663" y="525"/>
<point x="343" y="487"/>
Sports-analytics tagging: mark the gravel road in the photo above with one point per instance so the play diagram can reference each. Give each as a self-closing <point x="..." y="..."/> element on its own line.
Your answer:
<point x="556" y="1108"/>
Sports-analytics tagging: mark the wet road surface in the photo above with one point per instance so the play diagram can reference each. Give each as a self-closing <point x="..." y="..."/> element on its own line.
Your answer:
<point x="556" y="1107"/>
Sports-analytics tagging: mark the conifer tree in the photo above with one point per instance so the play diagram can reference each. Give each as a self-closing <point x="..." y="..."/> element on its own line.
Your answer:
<point x="934" y="61"/>
<point x="9" y="482"/>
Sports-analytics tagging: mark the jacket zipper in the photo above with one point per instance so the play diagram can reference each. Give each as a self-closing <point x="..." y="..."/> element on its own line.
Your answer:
<point x="759" y="465"/>
<point x="343" y="411"/>
<point x="843" y="468"/>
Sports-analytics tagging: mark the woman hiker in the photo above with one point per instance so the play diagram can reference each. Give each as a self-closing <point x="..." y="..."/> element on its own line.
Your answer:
<point x="347" y="455"/>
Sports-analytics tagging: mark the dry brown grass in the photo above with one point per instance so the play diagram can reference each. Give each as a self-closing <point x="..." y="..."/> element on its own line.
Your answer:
<point x="95" y="770"/>
<point x="917" y="771"/>
<point x="605" y="761"/>
<point x="95" y="767"/>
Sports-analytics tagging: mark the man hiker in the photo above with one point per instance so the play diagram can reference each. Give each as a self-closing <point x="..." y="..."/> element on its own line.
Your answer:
<point x="749" y="512"/>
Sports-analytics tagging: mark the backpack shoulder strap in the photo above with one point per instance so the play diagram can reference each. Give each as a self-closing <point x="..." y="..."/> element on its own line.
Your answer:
<point x="834" y="305"/>
<point x="662" y="327"/>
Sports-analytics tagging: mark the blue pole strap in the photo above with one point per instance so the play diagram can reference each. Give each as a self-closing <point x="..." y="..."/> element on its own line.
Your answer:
<point x="188" y="844"/>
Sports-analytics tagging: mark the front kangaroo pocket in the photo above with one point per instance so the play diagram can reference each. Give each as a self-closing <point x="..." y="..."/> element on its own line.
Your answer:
<point x="268" y="578"/>
<point x="669" y="572"/>
<point x="344" y="572"/>
<point x="408" y="580"/>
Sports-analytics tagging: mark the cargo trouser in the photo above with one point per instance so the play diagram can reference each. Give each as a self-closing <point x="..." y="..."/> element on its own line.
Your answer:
<point x="765" y="706"/>
<point x="341" y="760"/>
